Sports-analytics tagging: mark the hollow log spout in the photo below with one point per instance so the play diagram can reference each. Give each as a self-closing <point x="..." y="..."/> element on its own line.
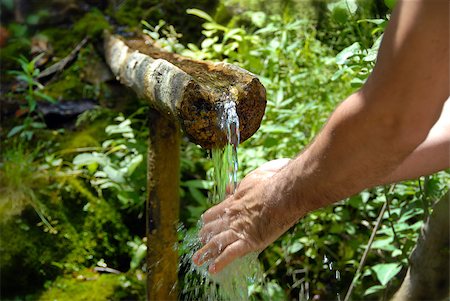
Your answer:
<point x="188" y="91"/>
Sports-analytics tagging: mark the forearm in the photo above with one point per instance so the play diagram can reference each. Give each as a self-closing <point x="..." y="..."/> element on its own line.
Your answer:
<point x="349" y="155"/>
<point x="377" y="128"/>
<point x="430" y="156"/>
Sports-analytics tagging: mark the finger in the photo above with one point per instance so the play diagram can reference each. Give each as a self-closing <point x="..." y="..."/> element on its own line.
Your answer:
<point x="233" y="251"/>
<point x="215" y="212"/>
<point x="214" y="247"/>
<point x="211" y="229"/>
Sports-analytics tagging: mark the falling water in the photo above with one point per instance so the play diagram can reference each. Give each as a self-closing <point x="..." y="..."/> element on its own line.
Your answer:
<point x="337" y="274"/>
<point x="225" y="160"/>
<point x="234" y="281"/>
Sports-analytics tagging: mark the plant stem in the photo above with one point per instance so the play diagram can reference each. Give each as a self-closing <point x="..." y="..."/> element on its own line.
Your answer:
<point x="366" y="251"/>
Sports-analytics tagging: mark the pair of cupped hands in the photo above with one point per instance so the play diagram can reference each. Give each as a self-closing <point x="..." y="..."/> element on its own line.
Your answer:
<point x="247" y="221"/>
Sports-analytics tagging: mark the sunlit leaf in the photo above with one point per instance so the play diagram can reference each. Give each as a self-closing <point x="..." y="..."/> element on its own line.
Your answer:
<point x="373" y="289"/>
<point x="341" y="57"/>
<point x="199" y="13"/>
<point x="386" y="271"/>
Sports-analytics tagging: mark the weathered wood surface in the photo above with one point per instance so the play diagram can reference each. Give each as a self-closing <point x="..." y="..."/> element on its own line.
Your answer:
<point x="162" y="207"/>
<point x="187" y="91"/>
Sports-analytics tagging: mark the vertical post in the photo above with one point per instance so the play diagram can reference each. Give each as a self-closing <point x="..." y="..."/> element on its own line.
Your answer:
<point x="162" y="207"/>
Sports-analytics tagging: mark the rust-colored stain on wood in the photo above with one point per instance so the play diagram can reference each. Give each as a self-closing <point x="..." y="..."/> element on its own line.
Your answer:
<point x="162" y="208"/>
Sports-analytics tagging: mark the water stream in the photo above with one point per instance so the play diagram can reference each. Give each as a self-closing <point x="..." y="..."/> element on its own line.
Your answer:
<point x="235" y="280"/>
<point x="225" y="160"/>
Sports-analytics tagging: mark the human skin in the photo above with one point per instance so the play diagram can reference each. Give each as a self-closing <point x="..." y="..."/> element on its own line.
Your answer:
<point x="362" y="145"/>
<point x="430" y="156"/>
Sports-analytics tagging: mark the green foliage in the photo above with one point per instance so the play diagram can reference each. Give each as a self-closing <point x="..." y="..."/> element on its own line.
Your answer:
<point x="92" y="24"/>
<point x="22" y="177"/>
<point x="89" y="285"/>
<point x="112" y="167"/>
<point x="131" y="12"/>
<point x="69" y="86"/>
<point x="139" y="252"/>
<point x="78" y="223"/>
<point x="305" y="79"/>
<point x="165" y="34"/>
<point x="28" y="76"/>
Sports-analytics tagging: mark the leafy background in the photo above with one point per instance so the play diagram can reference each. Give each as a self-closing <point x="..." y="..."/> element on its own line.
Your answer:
<point x="72" y="195"/>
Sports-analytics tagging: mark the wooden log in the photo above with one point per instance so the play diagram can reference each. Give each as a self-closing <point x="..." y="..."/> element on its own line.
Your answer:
<point x="162" y="207"/>
<point x="187" y="91"/>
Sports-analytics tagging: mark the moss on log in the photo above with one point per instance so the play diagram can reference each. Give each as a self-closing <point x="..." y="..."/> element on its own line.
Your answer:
<point x="188" y="91"/>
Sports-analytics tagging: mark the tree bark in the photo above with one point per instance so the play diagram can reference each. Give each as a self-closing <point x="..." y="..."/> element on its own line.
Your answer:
<point x="428" y="274"/>
<point x="162" y="208"/>
<point x="188" y="91"/>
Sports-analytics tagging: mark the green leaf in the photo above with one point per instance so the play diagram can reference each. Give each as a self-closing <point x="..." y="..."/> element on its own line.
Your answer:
<point x="15" y="130"/>
<point x="123" y="127"/>
<point x="386" y="271"/>
<point x="199" y="13"/>
<point x="92" y="167"/>
<point x="295" y="247"/>
<point x="88" y="159"/>
<point x="384" y="244"/>
<point x="374" y="21"/>
<point x="114" y="174"/>
<point x="38" y="125"/>
<point x="341" y="57"/>
<point x="373" y="289"/>
<point x="45" y="96"/>
<point x="214" y="26"/>
<point x="134" y="163"/>
<point x="352" y="6"/>
<point x="206" y="43"/>
<point x="138" y="256"/>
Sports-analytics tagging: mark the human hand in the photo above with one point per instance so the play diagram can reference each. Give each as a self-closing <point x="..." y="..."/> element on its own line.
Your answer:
<point x="245" y="222"/>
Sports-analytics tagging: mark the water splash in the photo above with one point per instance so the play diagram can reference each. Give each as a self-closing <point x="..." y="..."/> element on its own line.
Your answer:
<point x="235" y="281"/>
<point x="337" y="274"/>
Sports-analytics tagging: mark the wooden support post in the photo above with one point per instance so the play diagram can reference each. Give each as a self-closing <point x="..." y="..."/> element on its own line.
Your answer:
<point x="162" y="207"/>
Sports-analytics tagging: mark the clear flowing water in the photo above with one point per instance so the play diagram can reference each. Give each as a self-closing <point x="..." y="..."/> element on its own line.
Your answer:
<point x="234" y="282"/>
<point x="225" y="160"/>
